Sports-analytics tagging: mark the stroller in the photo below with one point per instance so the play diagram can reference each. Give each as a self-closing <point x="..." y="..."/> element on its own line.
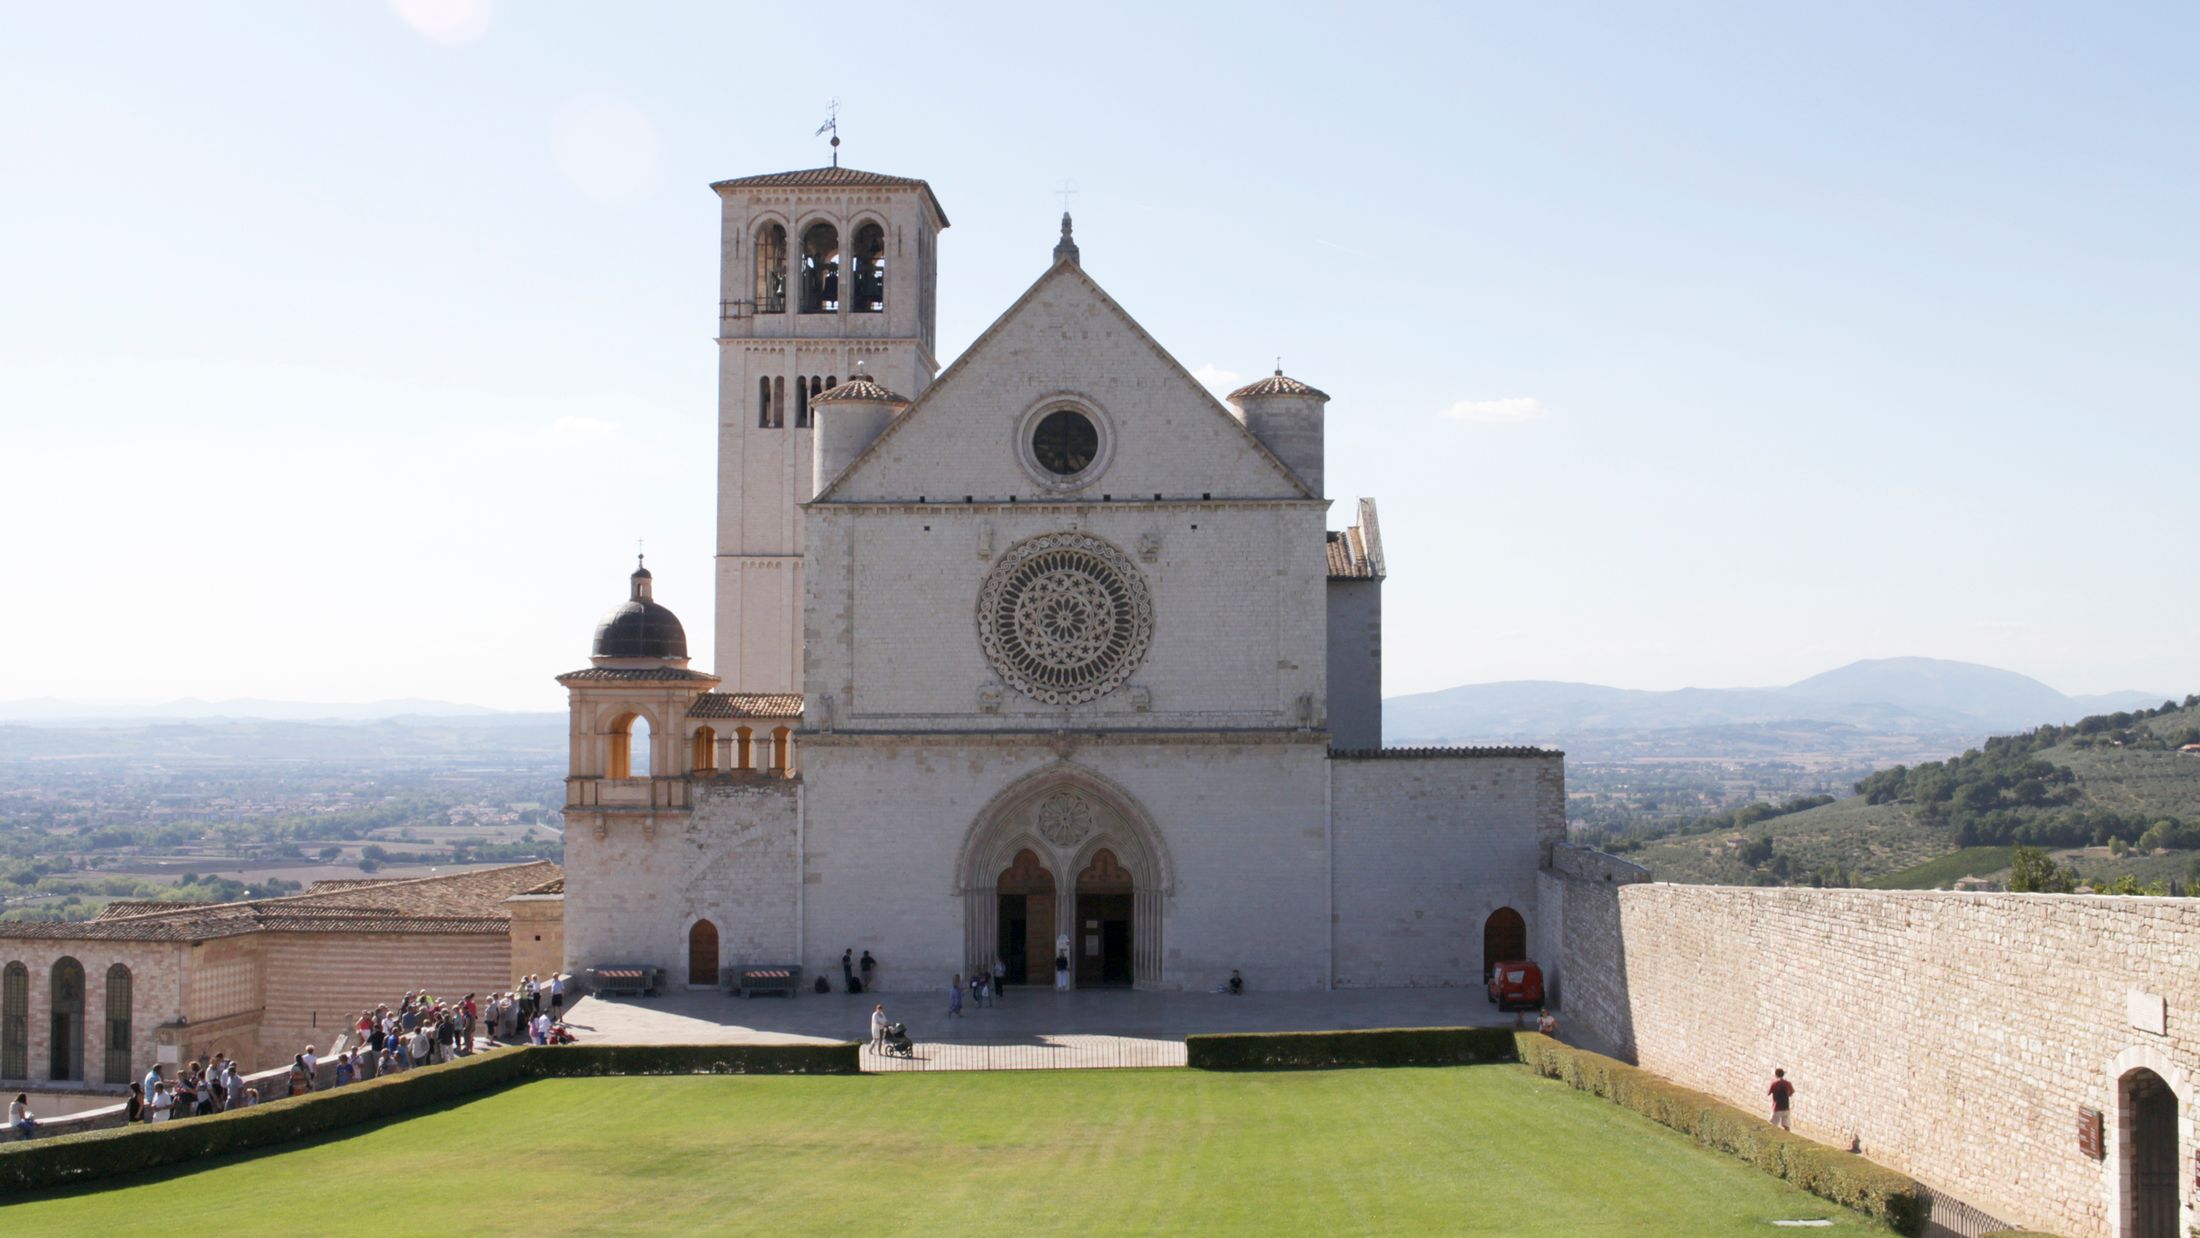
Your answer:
<point x="894" y="1039"/>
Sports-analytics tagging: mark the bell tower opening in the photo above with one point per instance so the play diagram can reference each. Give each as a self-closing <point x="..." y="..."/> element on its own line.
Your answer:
<point x="821" y="269"/>
<point x="870" y="251"/>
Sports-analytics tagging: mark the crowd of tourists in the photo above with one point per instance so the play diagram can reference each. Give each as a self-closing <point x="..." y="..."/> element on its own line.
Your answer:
<point x="421" y="1030"/>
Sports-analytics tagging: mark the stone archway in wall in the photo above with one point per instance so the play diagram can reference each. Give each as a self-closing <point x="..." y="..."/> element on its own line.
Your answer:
<point x="2153" y="1141"/>
<point x="1504" y="939"/>
<point x="1097" y="850"/>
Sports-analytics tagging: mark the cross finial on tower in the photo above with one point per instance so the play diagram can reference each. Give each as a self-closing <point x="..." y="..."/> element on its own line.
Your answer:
<point x="832" y="125"/>
<point x="1068" y="187"/>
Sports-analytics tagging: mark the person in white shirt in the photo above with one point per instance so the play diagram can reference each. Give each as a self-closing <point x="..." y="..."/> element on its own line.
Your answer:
<point x="20" y="1118"/>
<point x="878" y="1027"/>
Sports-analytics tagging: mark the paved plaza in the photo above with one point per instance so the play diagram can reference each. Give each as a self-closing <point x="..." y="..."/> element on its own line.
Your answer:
<point x="1029" y="1029"/>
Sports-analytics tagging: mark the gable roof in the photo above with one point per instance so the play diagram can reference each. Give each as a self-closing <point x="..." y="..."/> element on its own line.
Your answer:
<point x="1063" y="268"/>
<point x="462" y="902"/>
<point x="835" y="177"/>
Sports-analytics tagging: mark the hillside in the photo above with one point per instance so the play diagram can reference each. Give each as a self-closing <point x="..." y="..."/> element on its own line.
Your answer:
<point x="2108" y="779"/>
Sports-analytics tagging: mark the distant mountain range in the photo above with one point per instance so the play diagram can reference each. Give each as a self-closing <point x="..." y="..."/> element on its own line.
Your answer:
<point x="48" y="709"/>
<point x="1905" y="695"/>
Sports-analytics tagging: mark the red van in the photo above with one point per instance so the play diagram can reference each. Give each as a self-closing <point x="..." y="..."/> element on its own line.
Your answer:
<point x="1517" y="985"/>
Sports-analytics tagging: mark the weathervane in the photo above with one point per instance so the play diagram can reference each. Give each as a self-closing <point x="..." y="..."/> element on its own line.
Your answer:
<point x="832" y="125"/>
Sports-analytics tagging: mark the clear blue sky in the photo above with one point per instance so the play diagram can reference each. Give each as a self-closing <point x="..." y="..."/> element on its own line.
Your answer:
<point x="346" y="349"/>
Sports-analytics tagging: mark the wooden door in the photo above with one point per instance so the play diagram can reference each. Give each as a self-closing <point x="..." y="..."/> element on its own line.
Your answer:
<point x="703" y="953"/>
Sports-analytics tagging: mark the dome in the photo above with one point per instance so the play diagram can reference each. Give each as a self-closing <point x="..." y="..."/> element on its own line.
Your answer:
<point x="640" y="628"/>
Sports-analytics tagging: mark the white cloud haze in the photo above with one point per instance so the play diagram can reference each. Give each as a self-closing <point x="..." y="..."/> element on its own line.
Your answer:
<point x="1511" y="410"/>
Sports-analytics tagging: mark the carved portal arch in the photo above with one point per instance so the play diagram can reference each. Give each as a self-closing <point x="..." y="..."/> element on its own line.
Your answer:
<point x="1071" y="820"/>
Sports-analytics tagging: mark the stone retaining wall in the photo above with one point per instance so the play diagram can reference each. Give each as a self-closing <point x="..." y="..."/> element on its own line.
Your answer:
<point x="1953" y="1036"/>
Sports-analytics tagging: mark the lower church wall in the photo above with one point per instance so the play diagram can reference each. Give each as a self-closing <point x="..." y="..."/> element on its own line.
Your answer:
<point x="1953" y="1036"/>
<point x="1427" y="849"/>
<point x="1241" y="826"/>
<point x="634" y="891"/>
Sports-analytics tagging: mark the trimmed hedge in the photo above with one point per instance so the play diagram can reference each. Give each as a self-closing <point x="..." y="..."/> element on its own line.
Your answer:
<point x="1392" y="1046"/>
<point x="66" y="1160"/>
<point x="1842" y="1177"/>
<point x="566" y="1061"/>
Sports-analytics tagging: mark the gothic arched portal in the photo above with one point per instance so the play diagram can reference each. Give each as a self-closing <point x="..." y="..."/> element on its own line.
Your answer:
<point x="1103" y="861"/>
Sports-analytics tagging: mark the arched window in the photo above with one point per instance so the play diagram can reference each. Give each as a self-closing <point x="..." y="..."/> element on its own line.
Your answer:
<point x="779" y="402"/>
<point x="741" y="737"/>
<point x="802" y="393"/>
<point x="15" y="1022"/>
<point x="704" y="757"/>
<point x="771" y="269"/>
<point x="780" y="746"/>
<point x="629" y="735"/>
<point x="118" y="1024"/>
<point x="870" y="251"/>
<point x="67" y="1040"/>
<point x="821" y="269"/>
<point x="763" y="403"/>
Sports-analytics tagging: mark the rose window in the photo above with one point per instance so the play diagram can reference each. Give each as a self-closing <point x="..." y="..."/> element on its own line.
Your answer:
<point x="1064" y="618"/>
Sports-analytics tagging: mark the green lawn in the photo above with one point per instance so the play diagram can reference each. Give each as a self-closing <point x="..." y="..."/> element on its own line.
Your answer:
<point x="1488" y="1149"/>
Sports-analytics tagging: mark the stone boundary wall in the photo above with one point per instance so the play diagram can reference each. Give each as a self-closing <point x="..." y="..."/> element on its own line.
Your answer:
<point x="1577" y="931"/>
<point x="1953" y="1036"/>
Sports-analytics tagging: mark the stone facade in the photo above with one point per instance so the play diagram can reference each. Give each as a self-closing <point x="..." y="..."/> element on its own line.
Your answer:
<point x="1073" y="634"/>
<point x="1955" y="1036"/>
<point x="156" y="976"/>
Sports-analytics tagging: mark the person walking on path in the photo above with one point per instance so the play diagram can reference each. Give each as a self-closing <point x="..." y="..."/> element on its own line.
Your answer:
<point x="955" y="997"/>
<point x="1000" y="976"/>
<point x="878" y="1027"/>
<point x="1547" y="1023"/>
<point x="1780" y="1092"/>
<point x="1061" y="973"/>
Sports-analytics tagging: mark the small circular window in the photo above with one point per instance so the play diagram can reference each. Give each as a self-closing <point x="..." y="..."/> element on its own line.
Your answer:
<point x="1065" y="442"/>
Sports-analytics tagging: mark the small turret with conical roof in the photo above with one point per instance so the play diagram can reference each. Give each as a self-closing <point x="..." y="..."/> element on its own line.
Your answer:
<point x="844" y="420"/>
<point x="1286" y="415"/>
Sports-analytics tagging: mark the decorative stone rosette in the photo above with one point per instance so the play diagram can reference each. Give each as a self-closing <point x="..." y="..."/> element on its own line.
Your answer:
<point x="1064" y="618"/>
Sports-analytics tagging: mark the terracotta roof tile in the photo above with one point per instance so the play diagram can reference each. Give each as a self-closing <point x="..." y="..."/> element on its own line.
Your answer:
<point x="858" y="389"/>
<point x="747" y="705"/>
<point x="621" y="674"/>
<point x="1277" y="384"/>
<point x="461" y="902"/>
<point x="141" y="907"/>
<point x="832" y="178"/>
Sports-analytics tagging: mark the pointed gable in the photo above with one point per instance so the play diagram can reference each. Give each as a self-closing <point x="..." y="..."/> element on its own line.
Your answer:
<point x="1065" y="338"/>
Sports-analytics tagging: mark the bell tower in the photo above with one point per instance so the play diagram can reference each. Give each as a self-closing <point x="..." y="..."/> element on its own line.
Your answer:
<point x="823" y="274"/>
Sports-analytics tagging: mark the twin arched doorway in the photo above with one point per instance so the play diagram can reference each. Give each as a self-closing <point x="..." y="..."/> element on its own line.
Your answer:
<point x="1022" y="904"/>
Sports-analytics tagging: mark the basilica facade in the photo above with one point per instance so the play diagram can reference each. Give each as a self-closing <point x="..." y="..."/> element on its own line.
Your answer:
<point x="1046" y="654"/>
